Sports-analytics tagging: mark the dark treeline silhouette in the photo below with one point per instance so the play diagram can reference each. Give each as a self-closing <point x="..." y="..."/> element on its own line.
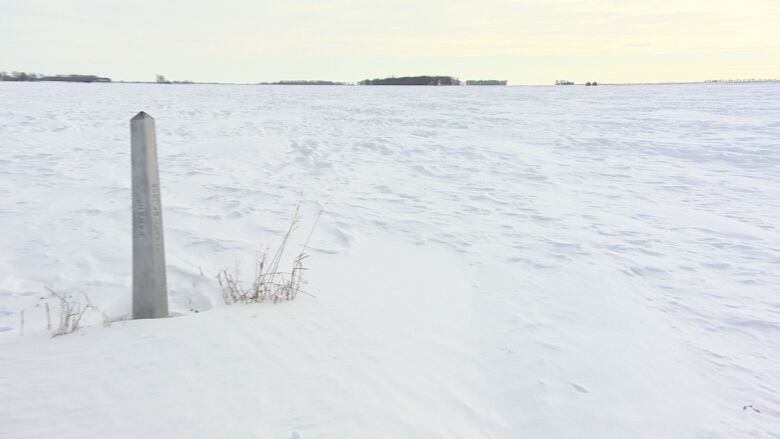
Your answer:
<point x="710" y="81"/>
<point x="413" y="80"/>
<point x="485" y="82"/>
<point x="76" y="78"/>
<point x="29" y="77"/>
<point x="20" y="76"/>
<point x="304" y="82"/>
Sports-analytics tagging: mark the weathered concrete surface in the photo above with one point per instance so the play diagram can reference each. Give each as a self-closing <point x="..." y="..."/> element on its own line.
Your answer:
<point x="150" y="295"/>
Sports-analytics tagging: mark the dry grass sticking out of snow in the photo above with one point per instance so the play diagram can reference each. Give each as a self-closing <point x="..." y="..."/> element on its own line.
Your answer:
<point x="270" y="283"/>
<point x="72" y="312"/>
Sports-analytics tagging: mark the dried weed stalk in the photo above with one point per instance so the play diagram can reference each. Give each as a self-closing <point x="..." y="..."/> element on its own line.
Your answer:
<point x="71" y="312"/>
<point x="270" y="283"/>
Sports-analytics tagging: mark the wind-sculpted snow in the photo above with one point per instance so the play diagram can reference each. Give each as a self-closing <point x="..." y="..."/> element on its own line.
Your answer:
<point x="491" y="262"/>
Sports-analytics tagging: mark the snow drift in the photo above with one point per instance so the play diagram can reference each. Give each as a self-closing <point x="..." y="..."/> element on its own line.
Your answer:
<point x="491" y="262"/>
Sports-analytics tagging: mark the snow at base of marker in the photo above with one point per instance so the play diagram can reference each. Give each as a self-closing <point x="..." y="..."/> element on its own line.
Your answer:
<point x="491" y="262"/>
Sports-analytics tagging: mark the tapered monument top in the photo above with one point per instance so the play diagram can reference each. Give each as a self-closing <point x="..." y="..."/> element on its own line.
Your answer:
<point x="142" y="115"/>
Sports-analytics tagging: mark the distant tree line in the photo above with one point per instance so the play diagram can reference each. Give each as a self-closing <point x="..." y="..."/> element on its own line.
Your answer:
<point x="566" y="82"/>
<point x="20" y="76"/>
<point x="485" y="82"/>
<point x="304" y="82"/>
<point x="740" y="80"/>
<point x="29" y="77"/>
<point x="412" y="80"/>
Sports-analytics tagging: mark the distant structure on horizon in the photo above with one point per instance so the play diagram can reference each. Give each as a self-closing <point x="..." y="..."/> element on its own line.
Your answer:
<point x="563" y="82"/>
<point x="485" y="82"/>
<point x="412" y="80"/>
<point x="160" y="79"/>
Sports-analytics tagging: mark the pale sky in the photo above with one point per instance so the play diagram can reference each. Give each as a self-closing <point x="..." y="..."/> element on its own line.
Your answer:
<point x="523" y="41"/>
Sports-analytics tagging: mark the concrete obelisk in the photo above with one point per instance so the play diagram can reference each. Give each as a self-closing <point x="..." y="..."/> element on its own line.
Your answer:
<point x="150" y="295"/>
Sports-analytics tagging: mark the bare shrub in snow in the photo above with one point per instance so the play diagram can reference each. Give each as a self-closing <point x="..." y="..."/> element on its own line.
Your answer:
<point x="71" y="312"/>
<point x="270" y="282"/>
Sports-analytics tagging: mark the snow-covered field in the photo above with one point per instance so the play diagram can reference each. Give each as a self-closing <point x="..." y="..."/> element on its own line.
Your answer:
<point x="510" y="262"/>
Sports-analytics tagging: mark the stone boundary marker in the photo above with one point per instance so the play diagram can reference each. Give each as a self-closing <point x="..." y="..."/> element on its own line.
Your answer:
<point x="150" y="295"/>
